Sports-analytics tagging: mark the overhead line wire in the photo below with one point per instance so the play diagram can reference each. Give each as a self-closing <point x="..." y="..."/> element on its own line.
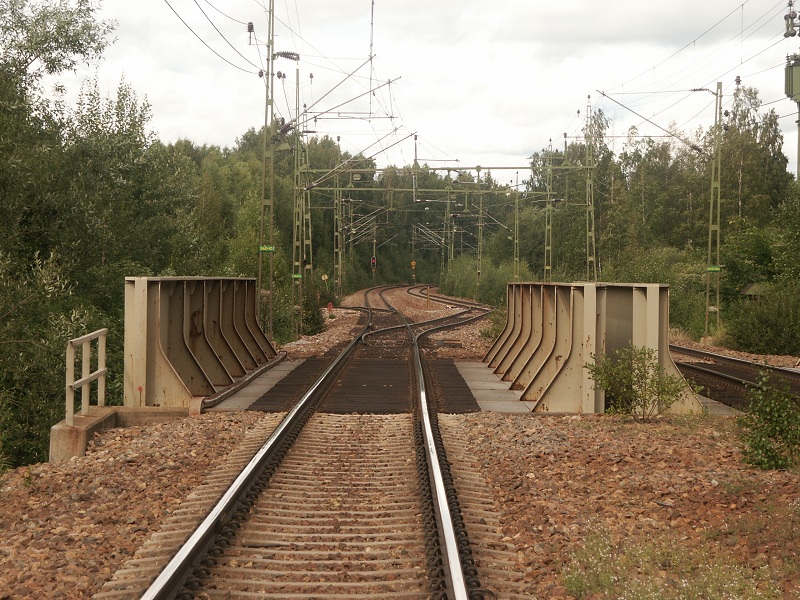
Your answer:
<point x="667" y="131"/>
<point x="300" y="40"/>
<point x="223" y="35"/>
<point x="296" y="33"/>
<point x="681" y="74"/>
<point x="223" y="14"/>
<point x="753" y="26"/>
<point x="749" y="59"/>
<point x="723" y="19"/>
<point x="204" y="43"/>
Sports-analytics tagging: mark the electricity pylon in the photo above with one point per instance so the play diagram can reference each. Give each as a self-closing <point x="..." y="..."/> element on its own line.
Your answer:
<point x="712" y="265"/>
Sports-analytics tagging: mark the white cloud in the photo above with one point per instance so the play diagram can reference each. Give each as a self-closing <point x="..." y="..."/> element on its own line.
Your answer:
<point x="487" y="83"/>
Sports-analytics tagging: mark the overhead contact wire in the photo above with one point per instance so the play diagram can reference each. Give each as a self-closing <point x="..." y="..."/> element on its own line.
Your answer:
<point x="204" y="42"/>
<point x="222" y="35"/>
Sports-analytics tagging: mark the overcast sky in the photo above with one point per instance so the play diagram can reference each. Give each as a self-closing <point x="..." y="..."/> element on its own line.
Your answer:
<point x="481" y="83"/>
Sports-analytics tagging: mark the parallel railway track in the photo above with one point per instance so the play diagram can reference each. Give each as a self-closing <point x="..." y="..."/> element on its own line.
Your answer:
<point x="342" y="505"/>
<point x="727" y="379"/>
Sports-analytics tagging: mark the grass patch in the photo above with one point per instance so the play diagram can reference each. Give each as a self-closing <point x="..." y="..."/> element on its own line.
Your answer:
<point x="662" y="569"/>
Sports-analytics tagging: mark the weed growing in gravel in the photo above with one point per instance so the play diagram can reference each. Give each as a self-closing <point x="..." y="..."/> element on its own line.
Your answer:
<point x="771" y="527"/>
<point x="659" y="569"/>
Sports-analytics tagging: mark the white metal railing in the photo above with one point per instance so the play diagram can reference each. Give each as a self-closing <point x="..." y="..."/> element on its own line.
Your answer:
<point x="87" y="375"/>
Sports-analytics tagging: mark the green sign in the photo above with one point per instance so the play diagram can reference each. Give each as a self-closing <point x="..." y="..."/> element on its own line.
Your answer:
<point x="297" y="276"/>
<point x="266" y="248"/>
<point x="713" y="269"/>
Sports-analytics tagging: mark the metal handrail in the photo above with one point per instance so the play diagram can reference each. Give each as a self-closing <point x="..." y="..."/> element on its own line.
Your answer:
<point x="87" y="375"/>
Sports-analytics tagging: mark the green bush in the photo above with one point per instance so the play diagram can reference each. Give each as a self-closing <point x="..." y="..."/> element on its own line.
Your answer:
<point x="682" y="270"/>
<point x="770" y="430"/>
<point x="767" y="325"/>
<point x="496" y="322"/>
<point x="313" y="319"/>
<point x="634" y="382"/>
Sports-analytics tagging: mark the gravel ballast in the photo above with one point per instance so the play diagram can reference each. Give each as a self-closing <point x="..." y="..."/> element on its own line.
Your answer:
<point x="65" y="528"/>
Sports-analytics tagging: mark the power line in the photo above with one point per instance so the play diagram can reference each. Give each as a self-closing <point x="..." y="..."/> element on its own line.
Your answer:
<point x="681" y="75"/>
<point x="225" y="15"/>
<point x="223" y="36"/>
<point x="694" y="41"/>
<point x="692" y="145"/>
<point x="205" y="44"/>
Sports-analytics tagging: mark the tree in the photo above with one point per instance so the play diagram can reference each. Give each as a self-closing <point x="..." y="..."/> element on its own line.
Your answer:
<point x="753" y="155"/>
<point x="49" y="37"/>
<point x="37" y="316"/>
<point x="38" y="310"/>
<point x="788" y="237"/>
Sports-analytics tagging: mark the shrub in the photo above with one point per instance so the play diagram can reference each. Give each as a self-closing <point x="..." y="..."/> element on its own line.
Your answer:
<point x="769" y="324"/>
<point x="313" y="321"/>
<point x="770" y="430"/>
<point x="634" y="382"/>
<point x="495" y="323"/>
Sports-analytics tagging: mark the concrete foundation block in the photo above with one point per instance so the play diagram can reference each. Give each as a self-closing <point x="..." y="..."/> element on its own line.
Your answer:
<point x="67" y="441"/>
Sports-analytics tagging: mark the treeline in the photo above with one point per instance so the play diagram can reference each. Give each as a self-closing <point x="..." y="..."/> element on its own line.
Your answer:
<point x="90" y="195"/>
<point x="651" y="202"/>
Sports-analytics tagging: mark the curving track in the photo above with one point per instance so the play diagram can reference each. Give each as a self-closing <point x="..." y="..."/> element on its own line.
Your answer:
<point x="348" y="505"/>
<point x="726" y="379"/>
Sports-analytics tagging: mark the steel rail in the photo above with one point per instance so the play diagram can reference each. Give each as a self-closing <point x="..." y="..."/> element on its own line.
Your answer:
<point x="738" y="380"/>
<point x="455" y="568"/>
<point x="174" y="575"/>
<point x="450" y="543"/>
<point x="789" y="373"/>
<point x="451" y="325"/>
<point x="414" y="291"/>
<point x="417" y="324"/>
<point x="747" y="374"/>
<point x="172" y="579"/>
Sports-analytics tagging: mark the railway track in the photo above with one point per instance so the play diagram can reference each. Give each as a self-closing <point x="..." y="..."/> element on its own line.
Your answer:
<point x="335" y="504"/>
<point x="727" y="379"/>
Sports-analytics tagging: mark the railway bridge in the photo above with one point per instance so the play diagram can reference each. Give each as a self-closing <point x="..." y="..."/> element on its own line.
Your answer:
<point x="354" y="483"/>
